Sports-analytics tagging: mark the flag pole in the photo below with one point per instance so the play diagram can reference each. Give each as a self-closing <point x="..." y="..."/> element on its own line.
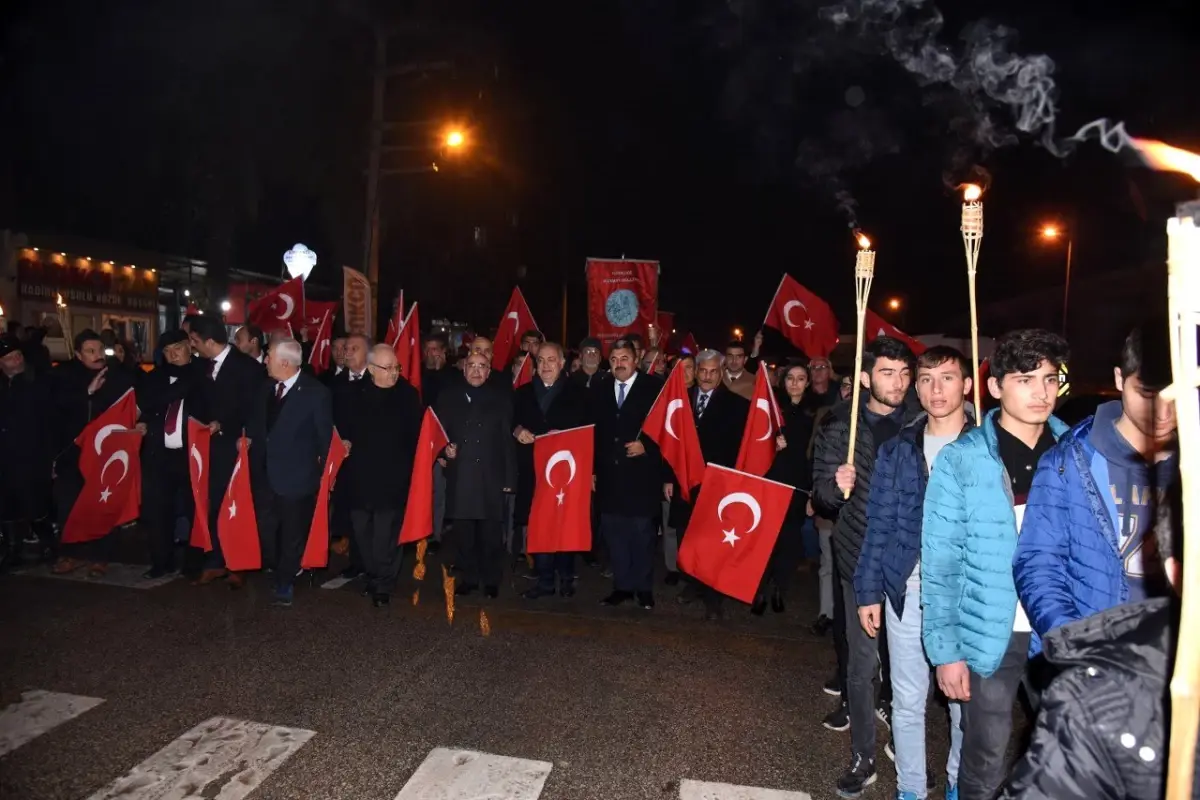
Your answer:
<point x="864" y="273"/>
<point x="774" y="297"/>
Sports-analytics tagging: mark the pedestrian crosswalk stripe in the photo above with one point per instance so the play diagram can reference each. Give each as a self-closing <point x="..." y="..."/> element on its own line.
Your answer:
<point x="222" y="758"/>
<point x="464" y="774"/>
<point x="37" y="713"/>
<point x="702" y="790"/>
<point x="128" y="576"/>
<point x="336" y="583"/>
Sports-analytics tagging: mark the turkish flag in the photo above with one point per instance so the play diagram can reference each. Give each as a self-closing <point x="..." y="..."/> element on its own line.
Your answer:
<point x="396" y="322"/>
<point x="200" y="438"/>
<point x="875" y="326"/>
<point x="316" y="551"/>
<point x="237" y="525"/>
<point x="418" y="511"/>
<point x="407" y="346"/>
<point x="109" y="498"/>
<point x="283" y="305"/>
<point x="757" y="451"/>
<point x="516" y="320"/>
<point x="525" y="373"/>
<point x="732" y="530"/>
<point x="805" y="319"/>
<point x="672" y="427"/>
<point x="688" y="346"/>
<point x="560" y="519"/>
<point x="314" y="317"/>
<point x="318" y="359"/>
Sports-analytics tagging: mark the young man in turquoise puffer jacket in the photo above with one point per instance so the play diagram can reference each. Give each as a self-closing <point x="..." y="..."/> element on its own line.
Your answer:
<point x="974" y="629"/>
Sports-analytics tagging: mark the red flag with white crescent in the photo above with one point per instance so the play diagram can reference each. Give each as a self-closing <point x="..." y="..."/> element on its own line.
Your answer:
<point x="316" y="551"/>
<point x="525" y="373"/>
<point x="407" y="346"/>
<point x="516" y="320"/>
<point x="732" y="530"/>
<point x="803" y="318"/>
<point x="110" y="463"/>
<point x="875" y="326"/>
<point x="396" y="322"/>
<point x="199" y="440"/>
<point x="560" y="518"/>
<point x="319" y="358"/>
<point x="757" y="451"/>
<point x="418" y="511"/>
<point x="237" y="525"/>
<point x="314" y="317"/>
<point x="282" y="305"/>
<point x="671" y="426"/>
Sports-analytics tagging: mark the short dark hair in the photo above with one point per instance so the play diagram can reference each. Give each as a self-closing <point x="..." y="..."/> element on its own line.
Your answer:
<point x="636" y="341"/>
<point x="533" y="334"/>
<point x="84" y="336"/>
<point x="1022" y="351"/>
<point x="941" y="353"/>
<point x="625" y="343"/>
<point x="255" y="332"/>
<point x="439" y="338"/>
<point x="887" y="347"/>
<point x="735" y="344"/>
<point x="1147" y="354"/>
<point x="210" y="328"/>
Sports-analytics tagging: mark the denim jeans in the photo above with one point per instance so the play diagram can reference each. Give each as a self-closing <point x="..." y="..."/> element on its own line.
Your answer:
<point x="910" y="696"/>
<point x="862" y="668"/>
<point x="825" y="576"/>
<point x="987" y="722"/>
<point x="552" y="565"/>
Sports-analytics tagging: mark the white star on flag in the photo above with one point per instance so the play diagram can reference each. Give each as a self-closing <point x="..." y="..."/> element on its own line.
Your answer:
<point x="809" y="324"/>
<point x="561" y="494"/>
<point x="104" y="495"/>
<point x="232" y="510"/>
<point x="731" y="537"/>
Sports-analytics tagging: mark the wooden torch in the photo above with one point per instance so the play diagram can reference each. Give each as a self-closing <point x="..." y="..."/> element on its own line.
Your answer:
<point x="972" y="235"/>
<point x="864" y="273"/>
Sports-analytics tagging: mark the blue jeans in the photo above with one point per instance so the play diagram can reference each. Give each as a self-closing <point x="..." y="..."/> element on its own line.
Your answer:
<point x="910" y="695"/>
<point x="549" y="565"/>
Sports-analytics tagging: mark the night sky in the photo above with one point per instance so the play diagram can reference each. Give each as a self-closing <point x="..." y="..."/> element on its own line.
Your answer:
<point x="716" y="137"/>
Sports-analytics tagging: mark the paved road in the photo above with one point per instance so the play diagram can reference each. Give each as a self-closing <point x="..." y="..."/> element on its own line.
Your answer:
<point x="179" y="691"/>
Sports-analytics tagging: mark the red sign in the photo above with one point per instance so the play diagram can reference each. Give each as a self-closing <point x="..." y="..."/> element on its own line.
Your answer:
<point x="622" y="298"/>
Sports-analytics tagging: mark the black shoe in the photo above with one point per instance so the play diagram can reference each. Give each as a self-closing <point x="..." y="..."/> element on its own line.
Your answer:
<point x="350" y="573"/>
<point x="832" y="687"/>
<point x="433" y="546"/>
<point x="465" y="589"/>
<point x="838" y="719"/>
<point x="822" y="626"/>
<point x="491" y="592"/>
<point x="759" y="607"/>
<point x="567" y="590"/>
<point x="616" y="598"/>
<point x="645" y="600"/>
<point x="672" y="578"/>
<point x="883" y="712"/>
<point x="536" y="592"/>
<point x="380" y="599"/>
<point x="857" y="778"/>
<point x="777" y="602"/>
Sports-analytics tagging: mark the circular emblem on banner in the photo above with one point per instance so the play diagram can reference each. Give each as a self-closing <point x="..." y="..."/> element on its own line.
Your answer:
<point x="621" y="308"/>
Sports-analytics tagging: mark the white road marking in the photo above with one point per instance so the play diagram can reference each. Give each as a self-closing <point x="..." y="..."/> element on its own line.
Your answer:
<point x="703" y="790"/>
<point x="128" y="576"/>
<point x="224" y="759"/>
<point x="465" y="774"/>
<point x="336" y="583"/>
<point x="37" y="713"/>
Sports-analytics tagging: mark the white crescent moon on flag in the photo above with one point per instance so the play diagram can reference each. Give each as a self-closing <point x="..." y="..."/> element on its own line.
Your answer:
<point x="744" y="499"/>
<point x="762" y="405"/>
<point x="199" y="461"/>
<point x="103" y="433"/>
<point x="120" y="456"/>
<point x="237" y="466"/>
<point x="672" y="407"/>
<point x="787" y="310"/>
<point x="516" y="321"/>
<point x="291" y="306"/>
<point x="558" y="457"/>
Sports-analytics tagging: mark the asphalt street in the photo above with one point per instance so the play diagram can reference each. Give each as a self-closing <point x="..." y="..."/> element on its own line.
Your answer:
<point x="178" y="691"/>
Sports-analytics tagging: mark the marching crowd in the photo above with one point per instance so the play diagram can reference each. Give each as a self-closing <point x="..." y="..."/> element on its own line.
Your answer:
<point x="990" y="554"/>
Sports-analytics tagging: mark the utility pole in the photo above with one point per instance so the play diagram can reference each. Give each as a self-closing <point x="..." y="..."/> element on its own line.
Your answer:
<point x="371" y="236"/>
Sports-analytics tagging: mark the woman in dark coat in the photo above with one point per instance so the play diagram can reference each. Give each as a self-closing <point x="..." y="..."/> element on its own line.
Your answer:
<point x="792" y="466"/>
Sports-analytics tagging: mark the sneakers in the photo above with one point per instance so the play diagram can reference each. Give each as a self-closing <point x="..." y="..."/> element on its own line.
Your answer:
<point x="952" y="793"/>
<point x="857" y="778"/>
<point x="889" y="750"/>
<point x="838" y="719"/>
<point x="883" y="712"/>
<point x="832" y="687"/>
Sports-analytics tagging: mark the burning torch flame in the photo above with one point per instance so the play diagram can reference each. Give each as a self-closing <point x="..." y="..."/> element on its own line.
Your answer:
<point x="1162" y="156"/>
<point x="972" y="192"/>
<point x="58" y="300"/>
<point x="863" y="241"/>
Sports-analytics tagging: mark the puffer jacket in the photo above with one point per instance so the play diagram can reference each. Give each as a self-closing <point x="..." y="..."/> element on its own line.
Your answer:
<point x="968" y="538"/>
<point x="1102" y="727"/>
<point x="893" y="541"/>
<point x="829" y="453"/>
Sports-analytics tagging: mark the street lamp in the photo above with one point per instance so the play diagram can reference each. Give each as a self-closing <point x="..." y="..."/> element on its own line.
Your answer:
<point x="894" y="304"/>
<point x="226" y="306"/>
<point x="455" y="138"/>
<point x="737" y="333"/>
<point x="1053" y="233"/>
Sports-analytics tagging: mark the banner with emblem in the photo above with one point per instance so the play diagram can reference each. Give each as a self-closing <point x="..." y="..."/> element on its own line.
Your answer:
<point x="622" y="298"/>
<point x="357" y="304"/>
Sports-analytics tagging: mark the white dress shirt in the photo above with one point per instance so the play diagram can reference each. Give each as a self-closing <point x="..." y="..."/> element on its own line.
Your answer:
<point x="218" y="361"/>
<point x="174" y="441"/>
<point x="627" y="384"/>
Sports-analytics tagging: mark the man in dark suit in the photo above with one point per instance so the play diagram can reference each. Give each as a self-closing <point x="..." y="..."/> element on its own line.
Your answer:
<point x="720" y="416"/>
<point x="230" y="380"/>
<point x="629" y="474"/>
<point x="291" y="428"/>
<point x="550" y="402"/>
<point x="346" y="386"/>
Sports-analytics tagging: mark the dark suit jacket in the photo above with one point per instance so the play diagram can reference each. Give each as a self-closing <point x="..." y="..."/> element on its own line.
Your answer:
<point x="227" y="400"/>
<point x="485" y="464"/>
<point x="626" y="486"/>
<point x="720" y="429"/>
<point x="569" y="409"/>
<point x="345" y="393"/>
<point x="288" y="457"/>
<point x="157" y="393"/>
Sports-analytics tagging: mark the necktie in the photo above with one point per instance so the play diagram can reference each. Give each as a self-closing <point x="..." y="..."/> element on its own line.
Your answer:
<point x="212" y="368"/>
<point x="620" y="395"/>
<point x="701" y="403"/>
<point x="354" y="376"/>
<point x="171" y="423"/>
<point x="278" y="392"/>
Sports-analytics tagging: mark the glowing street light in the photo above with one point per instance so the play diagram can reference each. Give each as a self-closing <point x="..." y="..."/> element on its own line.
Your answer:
<point x="1053" y="233"/>
<point x="226" y="306"/>
<point x="737" y="333"/>
<point x="1050" y="232"/>
<point x="894" y="304"/>
<point x="455" y="139"/>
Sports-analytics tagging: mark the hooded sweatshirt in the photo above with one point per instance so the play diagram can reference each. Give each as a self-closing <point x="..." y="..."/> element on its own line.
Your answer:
<point x="1134" y="487"/>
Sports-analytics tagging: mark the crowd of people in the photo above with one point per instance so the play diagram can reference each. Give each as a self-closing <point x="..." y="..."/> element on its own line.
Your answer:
<point x="989" y="554"/>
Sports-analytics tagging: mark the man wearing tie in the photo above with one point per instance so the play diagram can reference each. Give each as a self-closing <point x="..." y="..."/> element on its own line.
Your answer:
<point x="291" y="428"/>
<point x="346" y="387"/>
<point x="231" y="379"/>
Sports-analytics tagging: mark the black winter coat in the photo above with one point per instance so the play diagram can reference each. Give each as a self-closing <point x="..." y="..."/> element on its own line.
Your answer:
<point x="569" y="409"/>
<point x="485" y="461"/>
<point x="382" y="426"/>
<point x="25" y="446"/>
<point x="630" y="487"/>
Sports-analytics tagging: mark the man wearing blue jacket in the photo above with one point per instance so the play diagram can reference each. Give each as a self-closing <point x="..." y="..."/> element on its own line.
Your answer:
<point x="888" y="565"/>
<point x="974" y="629"/>
<point x="1083" y="546"/>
